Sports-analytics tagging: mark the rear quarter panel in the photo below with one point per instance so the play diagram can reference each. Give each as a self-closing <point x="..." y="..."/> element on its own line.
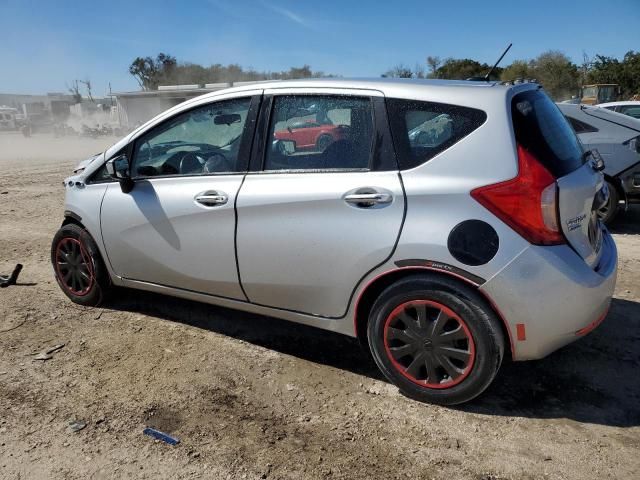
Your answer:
<point x="438" y="191"/>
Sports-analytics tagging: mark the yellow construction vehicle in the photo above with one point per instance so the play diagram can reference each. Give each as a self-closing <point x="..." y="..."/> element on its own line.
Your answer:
<point x="599" y="93"/>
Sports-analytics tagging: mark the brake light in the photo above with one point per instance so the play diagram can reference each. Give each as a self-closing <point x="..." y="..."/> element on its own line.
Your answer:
<point x="527" y="203"/>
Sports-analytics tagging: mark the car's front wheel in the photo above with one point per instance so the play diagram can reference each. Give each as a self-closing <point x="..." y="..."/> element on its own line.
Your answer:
<point x="436" y="340"/>
<point x="78" y="266"/>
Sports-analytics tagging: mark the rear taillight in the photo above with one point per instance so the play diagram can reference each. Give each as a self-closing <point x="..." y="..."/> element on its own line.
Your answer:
<point x="527" y="203"/>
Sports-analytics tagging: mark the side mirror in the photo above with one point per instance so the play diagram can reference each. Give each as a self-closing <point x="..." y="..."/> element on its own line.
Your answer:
<point x="118" y="168"/>
<point x="286" y="147"/>
<point x="598" y="161"/>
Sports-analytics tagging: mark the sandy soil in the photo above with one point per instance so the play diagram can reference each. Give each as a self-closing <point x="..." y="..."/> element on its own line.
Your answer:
<point x="253" y="397"/>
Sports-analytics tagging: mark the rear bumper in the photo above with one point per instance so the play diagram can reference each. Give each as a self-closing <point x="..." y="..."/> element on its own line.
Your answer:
<point x="549" y="296"/>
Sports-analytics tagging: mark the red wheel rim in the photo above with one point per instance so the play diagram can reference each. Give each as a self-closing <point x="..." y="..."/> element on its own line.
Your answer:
<point x="429" y="344"/>
<point x="74" y="267"/>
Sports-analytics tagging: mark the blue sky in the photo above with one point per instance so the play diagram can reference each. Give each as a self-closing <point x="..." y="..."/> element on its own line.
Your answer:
<point x="46" y="44"/>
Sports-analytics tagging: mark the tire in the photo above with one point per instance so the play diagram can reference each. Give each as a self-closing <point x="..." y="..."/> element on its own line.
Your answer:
<point x="78" y="266"/>
<point x="323" y="142"/>
<point x="609" y="212"/>
<point x="468" y="328"/>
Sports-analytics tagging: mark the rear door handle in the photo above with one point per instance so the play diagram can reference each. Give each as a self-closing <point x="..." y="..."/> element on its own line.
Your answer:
<point x="365" y="200"/>
<point x="212" y="198"/>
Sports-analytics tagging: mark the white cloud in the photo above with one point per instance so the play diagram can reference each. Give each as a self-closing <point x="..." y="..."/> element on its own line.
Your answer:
<point x="294" y="17"/>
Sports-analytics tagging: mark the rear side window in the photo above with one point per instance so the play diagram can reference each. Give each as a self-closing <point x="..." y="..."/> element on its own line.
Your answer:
<point x="421" y="130"/>
<point x="581" y="127"/>
<point x="632" y="111"/>
<point x="541" y="128"/>
<point x="320" y="132"/>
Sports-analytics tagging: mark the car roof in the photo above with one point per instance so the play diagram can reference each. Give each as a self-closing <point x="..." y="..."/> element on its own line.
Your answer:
<point x="380" y="84"/>
<point x="615" y="104"/>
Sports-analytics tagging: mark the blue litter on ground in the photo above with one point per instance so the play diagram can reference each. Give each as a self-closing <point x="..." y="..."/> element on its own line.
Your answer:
<point x="152" y="432"/>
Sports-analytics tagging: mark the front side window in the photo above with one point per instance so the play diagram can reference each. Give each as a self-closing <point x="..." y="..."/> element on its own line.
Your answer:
<point x="205" y="140"/>
<point x="309" y="132"/>
<point x="421" y="130"/>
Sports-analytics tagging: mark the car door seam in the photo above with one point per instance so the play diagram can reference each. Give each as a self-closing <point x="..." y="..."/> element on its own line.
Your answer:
<point x="106" y="250"/>
<point x="235" y="238"/>
<point x="393" y="250"/>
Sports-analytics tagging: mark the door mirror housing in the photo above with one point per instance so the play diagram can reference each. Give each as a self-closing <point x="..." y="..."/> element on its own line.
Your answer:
<point x="598" y="161"/>
<point x="285" y="147"/>
<point x="118" y="169"/>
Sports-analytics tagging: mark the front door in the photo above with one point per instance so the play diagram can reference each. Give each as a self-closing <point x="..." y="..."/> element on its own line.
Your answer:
<point x="176" y="227"/>
<point x="312" y="223"/>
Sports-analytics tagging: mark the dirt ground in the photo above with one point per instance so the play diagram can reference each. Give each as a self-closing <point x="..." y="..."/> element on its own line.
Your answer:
<point x="254" y="397"/>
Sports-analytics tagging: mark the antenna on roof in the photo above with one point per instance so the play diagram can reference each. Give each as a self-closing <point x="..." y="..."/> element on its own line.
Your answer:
<point x="486" y="77"/>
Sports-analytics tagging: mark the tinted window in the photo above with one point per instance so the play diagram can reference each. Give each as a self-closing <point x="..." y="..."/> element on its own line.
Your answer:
<point x="320" y="132"/>
<point x="541" y="128"/>
<point x="581" y="127"/>
<point x="205" y="140"/>
<point x="421" y="130"/>
<point x="632" y="111"/>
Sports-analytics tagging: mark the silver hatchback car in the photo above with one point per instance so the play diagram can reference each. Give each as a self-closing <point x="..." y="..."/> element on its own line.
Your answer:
<point x="444" y="224"/>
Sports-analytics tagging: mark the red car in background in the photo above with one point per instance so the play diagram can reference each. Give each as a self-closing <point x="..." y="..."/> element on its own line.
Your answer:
<point x="312" y="135"/>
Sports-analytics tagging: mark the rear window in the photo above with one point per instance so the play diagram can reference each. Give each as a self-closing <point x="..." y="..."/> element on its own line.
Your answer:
<point x="421" y="130"/>
<point x="541" y="128"/>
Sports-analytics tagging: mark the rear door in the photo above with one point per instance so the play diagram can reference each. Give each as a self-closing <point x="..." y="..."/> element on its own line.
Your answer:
<point x="541" y="129"/>
<point x="312" y="223"/>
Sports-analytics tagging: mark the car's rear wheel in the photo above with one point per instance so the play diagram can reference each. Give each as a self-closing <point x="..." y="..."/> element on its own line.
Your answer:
<point x="436" y="340"/>
<point x="609" y="211"/>
<point x="78" y="266"/>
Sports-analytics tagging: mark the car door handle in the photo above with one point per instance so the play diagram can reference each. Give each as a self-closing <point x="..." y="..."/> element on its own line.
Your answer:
<point x="368" y="199"/>
<point x="211" y="199"/>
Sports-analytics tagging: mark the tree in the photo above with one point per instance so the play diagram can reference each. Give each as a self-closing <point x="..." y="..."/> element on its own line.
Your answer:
<point x="150" y="73"/>
<point x="166" y="70"/>
<point x="74" y="90"/>
<point x="630" y="81"/>
<point x="87" y="84"/>
<point x="461" y="69"/>
<point x="625" y="73"/>
<point x="399" y="71"/>
<point x="433" y="63"/>
<point x="518" y="69"/>
<point x="555" y="71"/>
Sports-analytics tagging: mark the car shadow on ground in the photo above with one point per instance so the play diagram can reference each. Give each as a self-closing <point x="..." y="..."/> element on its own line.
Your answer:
<point x="594" y="380"/>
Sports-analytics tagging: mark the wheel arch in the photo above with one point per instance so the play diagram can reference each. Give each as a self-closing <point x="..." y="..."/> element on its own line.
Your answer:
<point x="71" y="217"/>
<point x="617" y="183"/>
<point x="378" y="284"/>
